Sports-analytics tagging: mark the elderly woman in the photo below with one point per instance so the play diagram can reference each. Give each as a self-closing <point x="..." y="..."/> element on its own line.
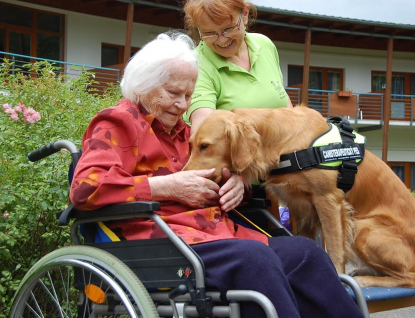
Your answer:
<point x="136" y="150"/>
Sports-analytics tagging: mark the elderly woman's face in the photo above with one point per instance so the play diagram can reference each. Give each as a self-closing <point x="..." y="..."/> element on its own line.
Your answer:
<point x="169" y="101"/>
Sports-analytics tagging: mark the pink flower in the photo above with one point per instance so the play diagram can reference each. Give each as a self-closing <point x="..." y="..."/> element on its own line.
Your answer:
<point x="6" y="215"/>
<point x="13" y="114"/>
<point x="30" y="116"/>
<point x="20" y="107"/>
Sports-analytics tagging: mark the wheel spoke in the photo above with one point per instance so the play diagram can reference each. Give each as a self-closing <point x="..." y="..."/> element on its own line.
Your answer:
<point x="38" y="312"/>
<point x="62" y="284"/>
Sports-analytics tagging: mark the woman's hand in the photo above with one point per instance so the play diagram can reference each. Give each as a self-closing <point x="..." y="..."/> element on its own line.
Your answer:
<point x="232" y="191"/>
<point x="193" y="188"/>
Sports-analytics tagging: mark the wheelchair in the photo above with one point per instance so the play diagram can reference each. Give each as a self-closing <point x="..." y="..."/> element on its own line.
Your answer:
<point x="160" y="277"/>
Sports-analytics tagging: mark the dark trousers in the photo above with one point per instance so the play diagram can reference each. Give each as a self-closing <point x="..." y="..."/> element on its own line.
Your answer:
<point x="293" y="272"/>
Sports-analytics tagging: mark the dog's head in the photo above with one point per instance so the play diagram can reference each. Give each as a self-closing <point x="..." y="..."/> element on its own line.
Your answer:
<point x="223" y="140"/>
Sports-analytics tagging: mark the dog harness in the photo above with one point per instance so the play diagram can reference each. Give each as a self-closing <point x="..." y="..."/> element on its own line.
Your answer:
<point x="338" y="148"/>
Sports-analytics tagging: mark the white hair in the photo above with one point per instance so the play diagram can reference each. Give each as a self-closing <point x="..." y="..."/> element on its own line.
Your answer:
<point x="151" y="66"/>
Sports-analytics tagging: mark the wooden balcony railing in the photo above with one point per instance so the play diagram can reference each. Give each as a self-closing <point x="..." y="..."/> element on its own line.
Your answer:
<point x="102" y="75"/>
<point x="359" y="107"/>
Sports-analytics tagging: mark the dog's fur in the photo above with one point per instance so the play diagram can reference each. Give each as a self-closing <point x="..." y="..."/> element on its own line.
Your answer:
<point x="372" y="225"/>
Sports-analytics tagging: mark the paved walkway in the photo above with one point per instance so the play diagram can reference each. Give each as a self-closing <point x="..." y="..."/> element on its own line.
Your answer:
<point x="408" y="312"/>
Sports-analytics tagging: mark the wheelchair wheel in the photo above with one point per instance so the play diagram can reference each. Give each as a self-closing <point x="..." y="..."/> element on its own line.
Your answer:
<point x="81" y="281"/>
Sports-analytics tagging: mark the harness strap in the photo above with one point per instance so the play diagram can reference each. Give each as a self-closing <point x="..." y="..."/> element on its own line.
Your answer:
<point x="298" y="160"/>
<point x="347" y="151"/>
<point x="345" y="179"/>
<point x="313" y="156"/>
<point x="348" y="169"/>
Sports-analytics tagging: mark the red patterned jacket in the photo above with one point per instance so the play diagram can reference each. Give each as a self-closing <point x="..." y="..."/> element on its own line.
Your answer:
<point x="123" y="146"/>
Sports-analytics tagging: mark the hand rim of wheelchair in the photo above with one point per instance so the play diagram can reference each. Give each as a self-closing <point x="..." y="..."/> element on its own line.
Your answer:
<point x="119" y="278"/>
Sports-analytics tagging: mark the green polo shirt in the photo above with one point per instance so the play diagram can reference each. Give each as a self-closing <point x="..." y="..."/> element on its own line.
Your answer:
<point x="224" y="85"/>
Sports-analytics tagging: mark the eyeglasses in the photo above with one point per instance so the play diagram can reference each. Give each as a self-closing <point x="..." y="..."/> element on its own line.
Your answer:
<point x="228" y="32"/>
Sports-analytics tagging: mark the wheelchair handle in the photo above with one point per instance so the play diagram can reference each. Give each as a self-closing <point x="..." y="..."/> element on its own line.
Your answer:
<point x="52" y="148"/>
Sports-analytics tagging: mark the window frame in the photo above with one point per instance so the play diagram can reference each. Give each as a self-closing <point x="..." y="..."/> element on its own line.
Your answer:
<point x="34" y="31"/>
<point x="407" y="172"/>
<point x="121" y="49"/>
<point x="325" y="71"/>
<point x="406" y="75"/>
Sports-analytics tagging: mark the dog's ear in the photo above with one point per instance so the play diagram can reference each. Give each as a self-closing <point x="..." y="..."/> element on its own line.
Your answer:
<point x="244" y="142"/>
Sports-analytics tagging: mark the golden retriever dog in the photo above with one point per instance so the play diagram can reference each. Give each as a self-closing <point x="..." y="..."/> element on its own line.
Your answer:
<point x="372" y="225"/>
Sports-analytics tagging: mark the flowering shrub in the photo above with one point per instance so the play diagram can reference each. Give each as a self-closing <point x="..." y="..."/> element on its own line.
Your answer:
<point x="30" y="116"/>
<point x="37" y="108"/>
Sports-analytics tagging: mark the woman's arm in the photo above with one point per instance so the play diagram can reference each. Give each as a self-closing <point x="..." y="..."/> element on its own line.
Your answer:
<point x="198" y="116"/>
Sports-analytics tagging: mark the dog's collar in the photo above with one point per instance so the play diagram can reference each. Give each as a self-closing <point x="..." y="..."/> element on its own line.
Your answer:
<point x="338" y="148"/>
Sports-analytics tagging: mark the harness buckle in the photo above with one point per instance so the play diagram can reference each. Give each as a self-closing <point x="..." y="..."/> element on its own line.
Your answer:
<point x="348" y="134"/>
<point x="296" y="159"/>
<point x="345" y="179"/>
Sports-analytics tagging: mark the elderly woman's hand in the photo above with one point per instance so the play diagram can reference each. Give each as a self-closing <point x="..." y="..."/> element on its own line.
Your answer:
<point x="193" y="188"/>
<point x="232" y="191"/>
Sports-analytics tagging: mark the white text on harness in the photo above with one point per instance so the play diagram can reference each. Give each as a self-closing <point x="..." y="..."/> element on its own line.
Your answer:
<point x="341" y="154"/>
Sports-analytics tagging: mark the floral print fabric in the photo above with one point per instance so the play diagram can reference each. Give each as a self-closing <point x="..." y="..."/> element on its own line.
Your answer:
<point x="123" y="146"/>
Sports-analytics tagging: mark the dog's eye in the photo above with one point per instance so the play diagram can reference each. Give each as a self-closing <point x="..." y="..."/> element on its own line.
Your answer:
<point x="203" y="146"/>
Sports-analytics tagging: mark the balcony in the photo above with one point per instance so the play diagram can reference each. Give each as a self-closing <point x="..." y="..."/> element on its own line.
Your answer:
<point x="363" y="109"/>
<point x="102" y="75"/>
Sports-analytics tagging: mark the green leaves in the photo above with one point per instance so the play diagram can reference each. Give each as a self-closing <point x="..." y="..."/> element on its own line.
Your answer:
<point x="32" y="193"/>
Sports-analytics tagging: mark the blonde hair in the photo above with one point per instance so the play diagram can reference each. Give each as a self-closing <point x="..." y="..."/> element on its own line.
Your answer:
<point x="152" y="65"/>
<point x="218" y="11"/>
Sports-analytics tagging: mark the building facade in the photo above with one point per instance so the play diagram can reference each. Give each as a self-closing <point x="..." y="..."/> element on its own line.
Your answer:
<point x="331" y="55"/>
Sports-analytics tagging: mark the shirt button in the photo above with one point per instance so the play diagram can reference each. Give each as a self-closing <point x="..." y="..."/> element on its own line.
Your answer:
<point x="174" y="159"/>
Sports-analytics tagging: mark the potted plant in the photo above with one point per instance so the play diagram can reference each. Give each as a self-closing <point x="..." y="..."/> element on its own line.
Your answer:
<point x="346" y="93"/>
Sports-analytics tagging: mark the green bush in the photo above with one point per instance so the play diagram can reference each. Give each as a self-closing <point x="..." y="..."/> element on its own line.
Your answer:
<point x="39" y="105"/>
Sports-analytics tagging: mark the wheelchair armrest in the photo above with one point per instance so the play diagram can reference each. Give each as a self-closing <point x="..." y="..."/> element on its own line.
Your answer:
<point x="128" y="209"/>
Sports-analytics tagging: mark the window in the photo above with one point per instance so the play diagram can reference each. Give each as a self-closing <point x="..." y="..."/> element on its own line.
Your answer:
<point x="405" y="171"/>
<point x="14" y="15"/>
<point x="402" y="83"/>
<point x="412" y="176"/>
<point x="399" y="171"/>
<point x="19" y="43"/>
<point x="320" y="78"/>
<point x="31" y="32"/>
<point x="2" y="41"/>
<point x="112" y="54"/>
<point x="49" y="47"/>
<point x="412" y="89"/>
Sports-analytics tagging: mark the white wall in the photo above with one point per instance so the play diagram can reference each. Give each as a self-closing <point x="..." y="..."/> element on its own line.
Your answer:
<point x="85" y="34"/>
